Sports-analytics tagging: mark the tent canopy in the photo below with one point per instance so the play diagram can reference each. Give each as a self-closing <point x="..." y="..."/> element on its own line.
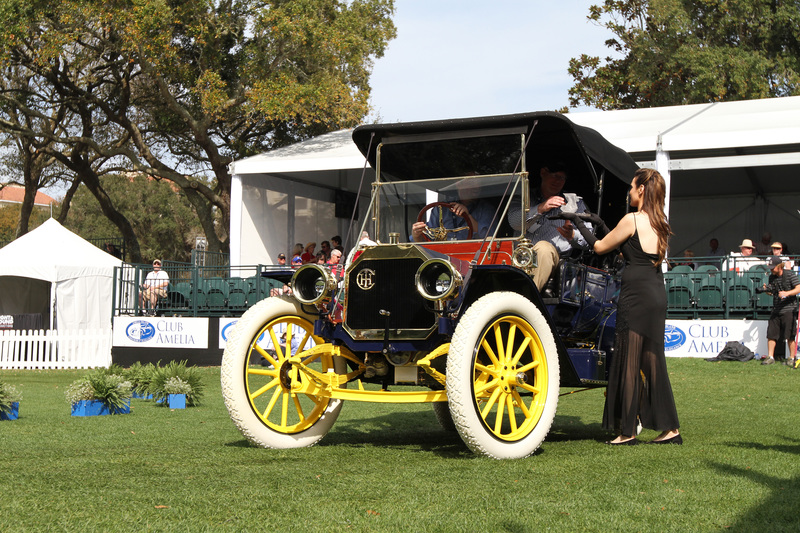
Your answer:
<point x="80" y="276"/>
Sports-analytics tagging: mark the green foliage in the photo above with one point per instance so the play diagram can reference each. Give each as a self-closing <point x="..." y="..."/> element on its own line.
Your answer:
<point x="162" y="218"/>
<point x="140" y="377"/>
<point x="9" y="218"/>
<point x="673" y="52"/>
<point x="102" y="384"/>
<point x="9" y="394"/>
<point x="164" y="377"/>
<point x="176" y="385"/>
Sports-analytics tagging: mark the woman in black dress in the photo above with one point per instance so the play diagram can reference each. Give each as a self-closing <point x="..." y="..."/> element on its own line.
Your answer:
<point x="639" y="391"/>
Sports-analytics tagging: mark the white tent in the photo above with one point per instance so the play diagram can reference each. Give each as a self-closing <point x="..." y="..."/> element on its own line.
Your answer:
<point x="55" y="272"/>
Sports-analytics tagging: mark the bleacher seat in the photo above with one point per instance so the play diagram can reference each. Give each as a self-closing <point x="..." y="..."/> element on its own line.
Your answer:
<point x="739" y="293"/>
<point x="216" y="290"/>
<point x="237" y="293"/>
<point x="680" y="291"/>
<point x="708" y="293"/>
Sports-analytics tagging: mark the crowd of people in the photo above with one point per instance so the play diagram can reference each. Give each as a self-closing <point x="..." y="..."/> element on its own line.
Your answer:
<point x="747" y="256"/>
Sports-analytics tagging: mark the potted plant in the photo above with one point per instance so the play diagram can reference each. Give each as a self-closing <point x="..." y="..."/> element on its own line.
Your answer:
<point x="188" y="381"/>
<point x="9" y="401"/>
<point x="176" y="390"/>
<point x="140" y="377"/>
<point x="100" y="392"/>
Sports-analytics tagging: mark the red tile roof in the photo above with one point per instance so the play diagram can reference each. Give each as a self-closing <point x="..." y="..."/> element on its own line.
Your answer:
<point x="13" y="194"/>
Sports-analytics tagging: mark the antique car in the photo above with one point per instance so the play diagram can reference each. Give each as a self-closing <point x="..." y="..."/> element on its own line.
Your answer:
<point x="454" y="320"/>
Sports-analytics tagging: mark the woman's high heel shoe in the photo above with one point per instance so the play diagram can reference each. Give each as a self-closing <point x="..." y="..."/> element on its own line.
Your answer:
<point x="677" y="439"/>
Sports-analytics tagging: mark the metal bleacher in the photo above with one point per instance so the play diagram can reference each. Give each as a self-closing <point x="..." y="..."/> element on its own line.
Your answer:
<point x="707" y="291"/>
<point x="195" y="289"/>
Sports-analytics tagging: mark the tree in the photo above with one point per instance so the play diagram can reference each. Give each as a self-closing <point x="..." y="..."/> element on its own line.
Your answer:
<point x="159" y="214"/>
<point x="690" y="51"/>
<point x="179" y="88"/>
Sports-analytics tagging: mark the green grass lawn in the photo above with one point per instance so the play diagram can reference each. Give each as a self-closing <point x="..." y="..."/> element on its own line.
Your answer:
<point x="391" y="468"/>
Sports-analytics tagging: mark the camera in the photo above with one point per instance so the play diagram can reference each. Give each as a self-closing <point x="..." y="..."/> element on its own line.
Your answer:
<point x="771" y="288"/>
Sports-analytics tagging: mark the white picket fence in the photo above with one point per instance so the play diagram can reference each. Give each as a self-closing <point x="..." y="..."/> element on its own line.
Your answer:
<point x="55" y="349"/>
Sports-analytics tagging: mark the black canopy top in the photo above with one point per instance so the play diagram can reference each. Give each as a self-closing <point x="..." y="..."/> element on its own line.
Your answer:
<point x="552" y="135"/>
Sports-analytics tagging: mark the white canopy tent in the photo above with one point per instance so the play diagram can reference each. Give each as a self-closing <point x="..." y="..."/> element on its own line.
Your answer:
<point x="732" y="168"/>
<point x="53" y="271"/>
<point x="733" y="171"/>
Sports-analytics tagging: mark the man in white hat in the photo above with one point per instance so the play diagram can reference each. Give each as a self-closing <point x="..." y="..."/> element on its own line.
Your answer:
<point x="743" y="260"/>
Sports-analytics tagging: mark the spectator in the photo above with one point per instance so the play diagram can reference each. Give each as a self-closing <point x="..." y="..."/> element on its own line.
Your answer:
<point x="784" y="287"/>
<point x="717" y="253"/>
<point x="336" y="242"/>
<point x="277" y="291"/>
<point x="469" y="206"/>
<point x="744" y="259"/>
<point x="322" y="258"/>
<point x="297" y="252"/>
<point x="686" y="260"/>
<point x="281" y="260"/>
<point x="762" y="248"/>
<point x="154" y="287"/>
<point x="308" y="255"/>
<point x="777" y="249"/>
<point x="326" y="247"/>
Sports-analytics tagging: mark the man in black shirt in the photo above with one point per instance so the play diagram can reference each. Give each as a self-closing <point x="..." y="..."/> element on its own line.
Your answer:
<point x="784" y="287"/>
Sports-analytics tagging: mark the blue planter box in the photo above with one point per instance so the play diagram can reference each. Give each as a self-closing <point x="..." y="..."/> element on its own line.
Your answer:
<point x="13" y="415"/>
<point x="142" y="396"/>
<point x="176" y="401"/>
<point x="98" y="408"/>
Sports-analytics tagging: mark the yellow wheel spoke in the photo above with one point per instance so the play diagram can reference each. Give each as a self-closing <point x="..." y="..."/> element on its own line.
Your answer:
<point x="529" y="388"/>
<point x="266" y="355"/>
<point x="490" y="403"/>
<point x="276" y="345"/>
<point x="529" y="366"/>
<point x="264" y="389"/>
<point x="262" y="372"/>
<point x="522" y="349"/>
<point x="284" y="409"/>
<point x="521" y="404"/>
<point x="498" y="341"/>
<point x="485" y="369"/>
<point x="509" y="349"/>
<point x="498" y="419"/>
<point x="480" y="389"/>
<point x="512" y="418"/>
<point x="271" y="405"/>
<point x="490" y="352"/>
<point x="297" y="406"/>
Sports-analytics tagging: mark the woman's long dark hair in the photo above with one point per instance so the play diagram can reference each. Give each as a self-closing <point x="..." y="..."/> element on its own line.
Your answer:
<point x="653" y="204"/>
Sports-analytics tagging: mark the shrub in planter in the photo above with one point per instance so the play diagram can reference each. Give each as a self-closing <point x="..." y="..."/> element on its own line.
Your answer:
<point x="140" y="377"/>
<point x="189" y="376"/>
<point x="9" y="401"/>
<point x="103" y="386"/>
<point x="176" y="390"/>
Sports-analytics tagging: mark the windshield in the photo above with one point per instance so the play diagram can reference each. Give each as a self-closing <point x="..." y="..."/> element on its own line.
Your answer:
<point x="397" y="205"/>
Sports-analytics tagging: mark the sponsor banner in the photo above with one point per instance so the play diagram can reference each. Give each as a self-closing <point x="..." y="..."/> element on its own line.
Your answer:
<point x="225" y="327"/>
<point x="6" y="321"/>
<point x="161" y="332"/>
<point x="706" y="338"/>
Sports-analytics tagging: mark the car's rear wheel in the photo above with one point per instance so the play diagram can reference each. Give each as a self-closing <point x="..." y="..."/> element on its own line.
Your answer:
<point x="503" y="376"/>
<point x="259" y="383"/>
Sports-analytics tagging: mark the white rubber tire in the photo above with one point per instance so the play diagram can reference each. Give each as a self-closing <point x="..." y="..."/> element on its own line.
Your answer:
<point x="235" y="364"/>
<point x="487" y="317"/>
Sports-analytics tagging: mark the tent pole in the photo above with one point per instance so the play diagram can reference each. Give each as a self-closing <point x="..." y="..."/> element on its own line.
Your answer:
<point x="662" y="166"/>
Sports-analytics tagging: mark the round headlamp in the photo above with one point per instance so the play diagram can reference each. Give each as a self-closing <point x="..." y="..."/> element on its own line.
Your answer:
<point x="436" y="279"/>
<point x="524" y="257"/>
<point x="313" y="284"/>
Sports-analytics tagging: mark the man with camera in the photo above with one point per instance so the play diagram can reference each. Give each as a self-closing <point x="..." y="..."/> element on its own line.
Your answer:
<point x="784" y="287"/>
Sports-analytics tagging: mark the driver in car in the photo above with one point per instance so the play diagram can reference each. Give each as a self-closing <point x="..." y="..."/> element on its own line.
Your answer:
<point x="469" y="206"/>
<point x="552" y="238"/>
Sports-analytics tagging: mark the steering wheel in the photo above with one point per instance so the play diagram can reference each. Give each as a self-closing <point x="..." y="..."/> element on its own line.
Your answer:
<point x="440" y="233"/>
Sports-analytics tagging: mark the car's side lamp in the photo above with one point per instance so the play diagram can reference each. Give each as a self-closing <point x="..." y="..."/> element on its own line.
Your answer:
<point x="524" y="256"/>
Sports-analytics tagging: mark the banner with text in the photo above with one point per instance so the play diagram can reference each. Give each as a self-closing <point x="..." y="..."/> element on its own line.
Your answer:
<point x="706" y="338"/>
<point x="161" y="332"/>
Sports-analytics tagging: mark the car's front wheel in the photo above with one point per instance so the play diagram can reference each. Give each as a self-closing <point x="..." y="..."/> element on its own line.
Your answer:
<point x="262" y="379"/>
<point x="503" y="376"/>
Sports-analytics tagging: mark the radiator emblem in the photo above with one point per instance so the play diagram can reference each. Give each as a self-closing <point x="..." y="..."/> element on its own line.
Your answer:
<point x="365" y="279"/>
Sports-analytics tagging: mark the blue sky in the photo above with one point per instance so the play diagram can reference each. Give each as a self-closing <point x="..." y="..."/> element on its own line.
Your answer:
<point x="468" y="58"/>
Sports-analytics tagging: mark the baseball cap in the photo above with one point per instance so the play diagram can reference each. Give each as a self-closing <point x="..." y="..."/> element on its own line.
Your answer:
<point x="775" y="261"/>
<point x="297" y="260"/>
<point x="281" y="256"/>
